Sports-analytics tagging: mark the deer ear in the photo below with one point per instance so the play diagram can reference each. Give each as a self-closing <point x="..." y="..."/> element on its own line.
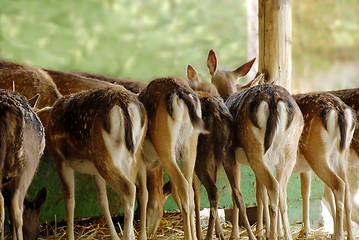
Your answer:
<point x="192" y="74"/>
<point x="244" y="69"/>
<point x="40" y="198"/>
<point x="274" y="81"/>
<point x="33" y="101"/>
<point x="212" y="62"/>
<point x="260" y="79"/>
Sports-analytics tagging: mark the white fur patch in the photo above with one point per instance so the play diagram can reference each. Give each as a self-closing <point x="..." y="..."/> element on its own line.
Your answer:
<point x="262" y="116"/>
<point x="332" y="126"/>
<point x="137" y="130"/>
<point x="178" y="108"/>
<point x="115" y="142"/>
<point x="283" y="117"/>
<point x="350" y="120"/>
<point x="331" y="136"/>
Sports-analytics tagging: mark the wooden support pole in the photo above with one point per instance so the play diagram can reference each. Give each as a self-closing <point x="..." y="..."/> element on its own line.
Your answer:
<point x="275" y="41"/>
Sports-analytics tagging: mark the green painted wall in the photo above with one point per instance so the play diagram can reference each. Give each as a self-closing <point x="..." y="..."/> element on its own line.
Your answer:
<point x="86" y="202"/>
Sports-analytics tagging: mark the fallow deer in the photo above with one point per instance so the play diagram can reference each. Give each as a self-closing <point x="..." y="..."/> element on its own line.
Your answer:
<point x="174" y="122"/>
<point x="268" y="125"/>
<point x="28" y="81"/>
<point x="22" y="143"/>
<point x="99" y="132"/>
<point x="213" y="150"/>
<point x="324" y="142"/>
<point x="69" y="83"/>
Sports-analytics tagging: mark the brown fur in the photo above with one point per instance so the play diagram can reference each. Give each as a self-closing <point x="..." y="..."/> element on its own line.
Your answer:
<point x="22" y="141"/>
<point x="69" y="83"/>
<point x="28" y="81"/>
<point x="132" y="85"/>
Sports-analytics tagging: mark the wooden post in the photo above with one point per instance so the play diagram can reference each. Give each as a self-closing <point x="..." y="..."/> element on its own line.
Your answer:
<point x="252" y="37"/>
<point x="275" y="41"/>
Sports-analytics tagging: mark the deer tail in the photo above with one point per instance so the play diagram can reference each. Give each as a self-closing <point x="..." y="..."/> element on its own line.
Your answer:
<point x="274" y="116"/>
<point x="193" y="106"/>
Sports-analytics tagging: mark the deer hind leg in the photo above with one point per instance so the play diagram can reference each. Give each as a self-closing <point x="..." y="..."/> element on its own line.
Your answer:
<point x="329" y="201"/>
<point x="103" y="202"/>
<point x="188" y="153"/>
<point x="197" y="207"/>
<point x="283" y="175"/>
<point x="320" y="165"/>
<point x="67" y="177"/>
<point x="342" y="172"/>
<point x="305" y="179"/>
<point x="125" y="187"/>
<point x="179" y="185"/>
<point x="264" y="175"/>
<point x="262" y="202"/>
<point x="233" y="172"/>
<point x="2" y="215"/>
<point x="142" y="178"/>
<point x="208" y="179"/>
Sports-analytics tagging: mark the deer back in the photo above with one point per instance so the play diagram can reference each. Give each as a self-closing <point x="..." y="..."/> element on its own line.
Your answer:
<point x="132" y="85"/>
<point x="68" y="83"/>
<point x="29" y="81"/>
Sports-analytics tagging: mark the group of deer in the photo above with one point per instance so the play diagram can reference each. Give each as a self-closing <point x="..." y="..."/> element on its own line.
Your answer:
<point x="120" y="130"/>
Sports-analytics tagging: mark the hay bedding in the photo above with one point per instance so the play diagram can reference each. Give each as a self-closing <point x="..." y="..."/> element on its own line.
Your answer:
<point x="170" y="228"/>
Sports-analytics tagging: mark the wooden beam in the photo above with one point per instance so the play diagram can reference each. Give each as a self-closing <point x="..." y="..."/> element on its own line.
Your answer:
<point x="275" y="41"/>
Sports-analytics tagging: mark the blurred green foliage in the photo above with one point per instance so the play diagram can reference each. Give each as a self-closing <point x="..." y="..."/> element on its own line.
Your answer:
<point x="135" y="39"/>
<point x="325" y="31"/>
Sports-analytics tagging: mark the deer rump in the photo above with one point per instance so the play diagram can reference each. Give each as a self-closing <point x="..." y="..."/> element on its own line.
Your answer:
<point x="268" y="108"/>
